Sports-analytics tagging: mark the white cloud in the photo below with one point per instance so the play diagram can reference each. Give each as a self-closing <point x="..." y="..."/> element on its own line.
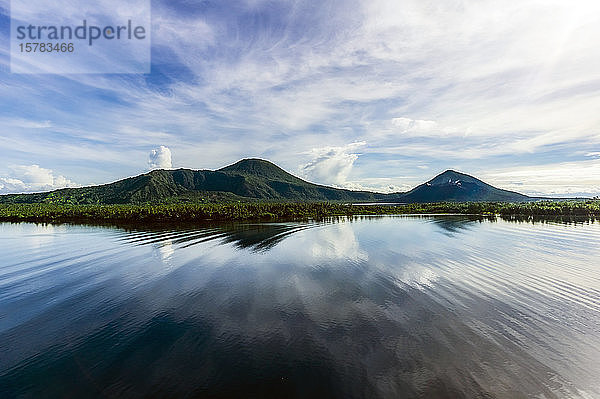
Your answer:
<point x="33" y="178"/>
<point x="160" y="158"/>
<point x="406" y="125"/>
<point x="421" y="127"/>
<point x="379" y="185"/>
<point x="332" y="165"/>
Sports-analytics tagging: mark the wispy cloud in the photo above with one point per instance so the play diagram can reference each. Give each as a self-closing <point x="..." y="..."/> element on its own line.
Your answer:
<point x="561" y="179"/>
<point x="25" y="124"/>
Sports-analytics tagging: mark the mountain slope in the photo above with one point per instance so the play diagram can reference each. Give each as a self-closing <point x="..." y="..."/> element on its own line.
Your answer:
<point x="263" y="169"/>
<point x="459" y="187"/>
<point x="247" y="179"/>
<point x="257" y="179"/>
<point x="265" y="180"/>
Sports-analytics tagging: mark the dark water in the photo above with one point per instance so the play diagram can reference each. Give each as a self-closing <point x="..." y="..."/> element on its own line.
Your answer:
<point x="391" y="307"/>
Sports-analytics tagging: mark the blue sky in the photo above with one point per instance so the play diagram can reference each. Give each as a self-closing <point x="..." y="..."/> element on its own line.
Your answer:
<point x="380" y="94"/>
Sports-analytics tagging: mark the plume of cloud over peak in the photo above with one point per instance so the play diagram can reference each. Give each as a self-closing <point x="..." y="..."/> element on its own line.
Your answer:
<point x="33" y="178"/>
<point x="160" y="158"/>
<point x="332" y="165"/>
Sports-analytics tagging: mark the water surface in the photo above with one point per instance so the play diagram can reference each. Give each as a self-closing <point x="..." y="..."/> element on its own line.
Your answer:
<point x="390" y="307"/>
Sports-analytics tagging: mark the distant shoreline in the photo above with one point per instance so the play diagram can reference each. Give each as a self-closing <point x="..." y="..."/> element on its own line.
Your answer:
<point x="268" y="211"/>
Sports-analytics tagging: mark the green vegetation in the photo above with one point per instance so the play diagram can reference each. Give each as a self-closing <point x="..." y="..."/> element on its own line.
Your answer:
<point x="284" y="211"/>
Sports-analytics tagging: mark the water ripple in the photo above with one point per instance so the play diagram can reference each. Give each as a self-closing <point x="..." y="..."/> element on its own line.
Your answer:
<point x="436" y="307"/>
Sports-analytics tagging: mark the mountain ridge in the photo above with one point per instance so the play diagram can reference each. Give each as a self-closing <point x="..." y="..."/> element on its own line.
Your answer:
<point x="254" y="179"/>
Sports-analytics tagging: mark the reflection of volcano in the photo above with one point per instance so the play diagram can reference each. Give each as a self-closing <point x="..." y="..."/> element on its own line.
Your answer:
<point x="260" y="237"/>
<point x="452" y="224"/>
<point x="257" y="237"/>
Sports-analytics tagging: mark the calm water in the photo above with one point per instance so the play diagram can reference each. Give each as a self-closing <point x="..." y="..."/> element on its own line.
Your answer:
<point x="391" y="307"/>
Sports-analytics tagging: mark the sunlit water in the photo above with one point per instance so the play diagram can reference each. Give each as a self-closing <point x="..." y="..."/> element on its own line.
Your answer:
<point x="388" y="307"/>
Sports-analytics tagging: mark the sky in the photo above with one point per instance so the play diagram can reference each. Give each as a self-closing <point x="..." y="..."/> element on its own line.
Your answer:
<point x="379" y="94"/>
